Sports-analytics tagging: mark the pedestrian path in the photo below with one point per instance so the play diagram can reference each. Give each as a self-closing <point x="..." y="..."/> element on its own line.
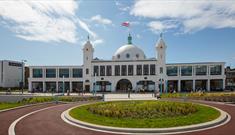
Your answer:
<point x="117" y="97"/>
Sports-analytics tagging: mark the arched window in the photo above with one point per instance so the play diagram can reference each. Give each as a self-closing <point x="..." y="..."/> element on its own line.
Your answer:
<point x="137" y="56"/>
<point x="127" y="55"/>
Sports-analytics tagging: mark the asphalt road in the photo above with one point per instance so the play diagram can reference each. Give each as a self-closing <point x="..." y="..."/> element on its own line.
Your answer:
<point x="6" y="118"/>
<point x="49" y="122"/>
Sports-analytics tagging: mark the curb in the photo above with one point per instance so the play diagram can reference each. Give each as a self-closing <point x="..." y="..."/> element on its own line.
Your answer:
<point x="221" y="120"/>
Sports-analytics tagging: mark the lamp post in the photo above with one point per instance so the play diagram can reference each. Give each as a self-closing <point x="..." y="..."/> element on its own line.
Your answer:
<point x="63" y="85"/>
<point x="22" y="77"/>
<point x="94" y="89"/>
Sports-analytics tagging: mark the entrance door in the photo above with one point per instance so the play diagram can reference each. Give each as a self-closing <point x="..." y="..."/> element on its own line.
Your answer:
<point x="87" y="88"/>
<point x="123" y="85"/>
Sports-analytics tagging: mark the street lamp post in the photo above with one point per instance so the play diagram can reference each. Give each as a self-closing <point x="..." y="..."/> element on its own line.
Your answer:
<point x="22" y="77"/>
<point x="63" y="85"/>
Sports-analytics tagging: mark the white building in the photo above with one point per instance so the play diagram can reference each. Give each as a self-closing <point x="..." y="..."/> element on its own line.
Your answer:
<point x="11" y="73"/>
<point x="128" y="69"/>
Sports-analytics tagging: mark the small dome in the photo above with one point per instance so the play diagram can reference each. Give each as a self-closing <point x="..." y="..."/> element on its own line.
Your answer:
<point x="129" y="52"/>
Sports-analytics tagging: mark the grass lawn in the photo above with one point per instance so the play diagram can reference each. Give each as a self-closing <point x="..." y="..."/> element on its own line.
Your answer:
<point x="9" y="105"/>
<point x="129" y="119"/>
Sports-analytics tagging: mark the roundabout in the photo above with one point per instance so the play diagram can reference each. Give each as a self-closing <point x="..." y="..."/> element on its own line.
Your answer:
<point x="35" y="120"/>
<point x="164" y="117"/>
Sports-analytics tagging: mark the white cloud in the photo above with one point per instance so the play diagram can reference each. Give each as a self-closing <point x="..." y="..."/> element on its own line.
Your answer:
<point x="99" y="19"/>
<point x="85" y="27"/>
<point x="41" y="20"/>
<point x="98" y="41"/>
<point x="161" y="26"/>
<point x="188" y="16"/>
<point x="44" y="21"/>
<point x="122" y="7"/>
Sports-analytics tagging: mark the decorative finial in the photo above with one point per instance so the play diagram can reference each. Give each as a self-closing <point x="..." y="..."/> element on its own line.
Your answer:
<point x="161" y="35"/>
<point x="129" y="39"/>
<point x="88" y="38"/>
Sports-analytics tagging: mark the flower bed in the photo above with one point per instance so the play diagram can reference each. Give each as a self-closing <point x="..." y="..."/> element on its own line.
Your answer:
<point x="144" y="114"/>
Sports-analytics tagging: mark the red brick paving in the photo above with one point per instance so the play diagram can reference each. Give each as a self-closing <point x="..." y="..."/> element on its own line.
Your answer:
<point x="48" y="122"/>
<point x="6" y="118"/>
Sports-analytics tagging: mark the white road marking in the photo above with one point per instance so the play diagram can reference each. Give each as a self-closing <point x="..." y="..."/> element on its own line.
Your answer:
<point x="11" y="129"/>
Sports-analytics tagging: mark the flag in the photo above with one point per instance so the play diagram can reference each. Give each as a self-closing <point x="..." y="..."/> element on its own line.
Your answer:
<point x="126" y="24"/>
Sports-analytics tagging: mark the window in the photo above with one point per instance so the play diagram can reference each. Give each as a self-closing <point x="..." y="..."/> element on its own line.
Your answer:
<point x="64" y="72"/>
<point x="137" y="56"/>
<point x="127" y="55"/>
<point x="216" y="70"/>
<point x="161" y="70"/>
<point x="109" y="70"/>
<point x="117" y="70"/>
<point x="102" y="70"/>
<point x="124" y="73"/>
<point x="96" y="70"/>
<point x="201" y="70"/>
<point x="152" y="69"/>
<point x="139" y="69"/>
<point x="87" y="71"/>
<point x="77" y="73"/>
<point x="186" y="71"/>
<point x="172" y="71"/>
<point x="37" y="73"/>
<point x="50" y="73"/>
<point x="146" y="69"/>
<point x="130" y="70"/>
<point x="118" y="56"/>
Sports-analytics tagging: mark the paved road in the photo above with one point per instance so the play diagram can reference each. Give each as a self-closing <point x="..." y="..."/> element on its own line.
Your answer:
<point x="6" y="118"/>
<point x="48" y="122"/>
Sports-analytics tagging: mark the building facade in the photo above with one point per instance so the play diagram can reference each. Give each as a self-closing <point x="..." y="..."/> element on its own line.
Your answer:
<point x="129" y="69"/>
<point x="230" y="78"/>
<point x="11" y="73"/>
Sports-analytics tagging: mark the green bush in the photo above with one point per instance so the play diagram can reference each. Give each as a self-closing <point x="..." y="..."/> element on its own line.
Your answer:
<point x="140" y="109"/>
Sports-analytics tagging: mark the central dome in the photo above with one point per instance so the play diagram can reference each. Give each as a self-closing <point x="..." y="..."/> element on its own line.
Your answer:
<point x="129" y="52"/>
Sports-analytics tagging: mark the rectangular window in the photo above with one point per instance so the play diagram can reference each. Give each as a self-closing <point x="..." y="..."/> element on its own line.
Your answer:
<point x="216" y="70"/>
<point x="96" y="70"/>
<point x="161" y="70"/>
<point x="130" y="70"/>
<point x="64" y="72"/>
<point x="124" y="73"/>
<point x="146" y="69"/>
<point x="186" y="71"/>
<point x="201" y="70"/>
<point x="139" y="70"/>
<point x="109" y="70"/>
<point x="77" y="73"/>
<point x="152" y="69"/>
<point x="102" y="70"/>
<point x="117" y="70"/>
<point x="37" y="73"/>
<point x="87" y="71"/>
<point x="172" y="71"/>
<point x="50" y="73"/>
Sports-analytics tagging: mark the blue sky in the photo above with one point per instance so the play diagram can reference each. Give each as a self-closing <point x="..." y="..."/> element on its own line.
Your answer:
<point x="53" y="32"/>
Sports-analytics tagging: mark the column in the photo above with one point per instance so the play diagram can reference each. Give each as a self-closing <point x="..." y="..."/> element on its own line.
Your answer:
<point x="70" y="86"/>
<point x="194" y="83"/>
<point x="208" y="85"/>
<point x="179" y="85"/>
<point x="224" y="84"/>
<point x="30" y="72"/>
<point x="44" y="86"/>
<point x="57" y="87"/>
<point x="157" y="86"/>
<point x="30" y="86"/>
<point x="166" y="86"/>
